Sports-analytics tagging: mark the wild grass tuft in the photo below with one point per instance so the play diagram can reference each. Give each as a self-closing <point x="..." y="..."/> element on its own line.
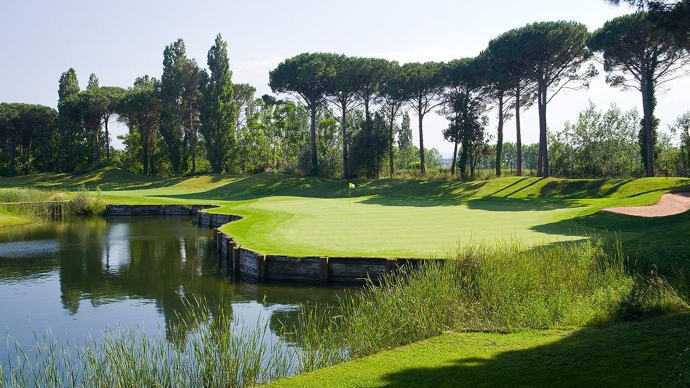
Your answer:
<point x="83" y="203"/>
<point x="219" y="351"/>
<point x="24" y="195"/>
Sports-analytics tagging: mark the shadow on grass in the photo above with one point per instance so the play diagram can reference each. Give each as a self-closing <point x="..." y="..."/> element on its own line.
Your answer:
<point x="519" y="204"/>
<point x="393" y="192"/>
<point x="583" y="188"/>
<point x="653" y="352"/>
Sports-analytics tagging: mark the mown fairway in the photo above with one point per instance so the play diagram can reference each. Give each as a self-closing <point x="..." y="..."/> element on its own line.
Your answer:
<point x="388" y="217"/>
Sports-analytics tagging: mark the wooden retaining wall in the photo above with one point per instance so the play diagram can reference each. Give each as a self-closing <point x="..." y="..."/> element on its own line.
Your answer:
<point x="154" y="210"/>
<point x="256" y="267"/>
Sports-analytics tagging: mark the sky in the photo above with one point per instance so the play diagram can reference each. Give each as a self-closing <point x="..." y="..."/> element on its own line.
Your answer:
<point x="121" y="40"/>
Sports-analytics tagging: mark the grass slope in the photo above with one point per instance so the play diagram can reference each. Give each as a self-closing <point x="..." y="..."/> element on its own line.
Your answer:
<point x="650" y="353"/>
<point x="390" y="217"/>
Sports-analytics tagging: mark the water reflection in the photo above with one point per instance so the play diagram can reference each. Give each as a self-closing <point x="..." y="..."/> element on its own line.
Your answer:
<point x="81" y="275"/>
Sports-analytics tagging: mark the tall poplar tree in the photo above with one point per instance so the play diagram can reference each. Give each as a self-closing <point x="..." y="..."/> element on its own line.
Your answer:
<point x="180" y="96"/>
<point x="218" y="107"/>
<point x="69" y="122"/>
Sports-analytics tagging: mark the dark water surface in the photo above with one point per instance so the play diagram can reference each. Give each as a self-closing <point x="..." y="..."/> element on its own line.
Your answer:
<point x="77" y="277"/>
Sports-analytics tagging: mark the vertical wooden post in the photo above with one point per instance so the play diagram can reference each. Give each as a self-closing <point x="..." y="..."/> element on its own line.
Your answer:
<point x="323" y="270"/>
<point x="236" y="259"/>
<point x="261" y="265"/>
<point x="229" y="258"/>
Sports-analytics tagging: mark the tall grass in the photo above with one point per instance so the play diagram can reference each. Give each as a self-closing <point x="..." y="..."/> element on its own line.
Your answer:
<point x="486" y="288"/>
<point x="219" y="352"/>
<point x="33" y="203"/>
<point x="25" y="195"/>
<point x="82" y="203"/>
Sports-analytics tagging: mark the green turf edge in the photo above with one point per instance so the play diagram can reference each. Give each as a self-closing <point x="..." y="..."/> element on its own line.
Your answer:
<point x="654" y="352"/>
<point x="8" y="220"/>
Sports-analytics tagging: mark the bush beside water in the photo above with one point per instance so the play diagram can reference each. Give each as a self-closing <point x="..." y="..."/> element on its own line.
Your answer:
<point x="485" y="288"/>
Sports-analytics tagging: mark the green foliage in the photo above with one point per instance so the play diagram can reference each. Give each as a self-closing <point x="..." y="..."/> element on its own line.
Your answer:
<point x="309" y="76"/>
<point x="27" y="138"/>
<point x="682" y="128"/>
<point x="82" y="203"/>
<point x="551" y="53"/>
<point x="639" y="55"/>
<point x="68" y="85"/>
<point x="218" y="106"/>
<point x="180" y="98"/>
<point x="140" y="108"/>
<point x="599" y="144"/>
<point x="467" y="105"/>
<point x="422" y="85"/>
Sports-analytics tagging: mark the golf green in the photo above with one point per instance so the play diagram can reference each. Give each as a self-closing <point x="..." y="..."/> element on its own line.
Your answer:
<point x="291" y="215"/>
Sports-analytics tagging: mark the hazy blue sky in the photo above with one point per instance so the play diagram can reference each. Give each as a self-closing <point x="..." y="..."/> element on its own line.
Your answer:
<point x="120" y="40"/>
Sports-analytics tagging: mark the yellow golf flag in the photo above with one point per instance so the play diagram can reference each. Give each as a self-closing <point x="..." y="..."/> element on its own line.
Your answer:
<point x="352" y="185"/>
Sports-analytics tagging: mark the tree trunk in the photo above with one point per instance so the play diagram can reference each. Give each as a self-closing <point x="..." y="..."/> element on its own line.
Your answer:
<point x="647" y="122"/>
<point x="472" y="164"/>
<point x="27" y="152"/>
<point x="455" y="157"/>
<point x="499" y="135"/>
<point x="145" y="159"/>
<point x="543" y="166"/>
<point x="107" y="138"/>
<point x="13" y="154"/>
<point x="193" y="142"/>
<point x="518" y="142"/>
<point x="390" y="142"/>
<point x="422" y="167"/>
<point x="314" y="160"/>
<point x="346" y="169"/>
<point x="96" y="148"/>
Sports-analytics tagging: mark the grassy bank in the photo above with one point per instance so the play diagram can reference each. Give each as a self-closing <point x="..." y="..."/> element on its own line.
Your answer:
<point x="650" y="353"/>
<point x="488" y="289"/>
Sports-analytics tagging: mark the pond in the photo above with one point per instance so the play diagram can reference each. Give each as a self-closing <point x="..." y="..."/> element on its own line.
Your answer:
<point x="76" y="277"/>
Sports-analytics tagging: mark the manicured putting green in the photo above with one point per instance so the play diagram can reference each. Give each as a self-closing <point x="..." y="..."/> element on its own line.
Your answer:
<point x="333" y="227"/>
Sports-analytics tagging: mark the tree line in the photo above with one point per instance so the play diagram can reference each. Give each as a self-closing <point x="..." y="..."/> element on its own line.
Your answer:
<point x="524" y="66"/>
<point x="350" y="115"/>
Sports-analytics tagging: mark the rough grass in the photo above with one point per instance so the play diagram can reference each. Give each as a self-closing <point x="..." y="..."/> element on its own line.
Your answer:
<point x="487" y="289"/>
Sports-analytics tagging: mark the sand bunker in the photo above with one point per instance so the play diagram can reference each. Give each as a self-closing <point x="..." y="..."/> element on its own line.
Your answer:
<point x="668" y="205"/>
